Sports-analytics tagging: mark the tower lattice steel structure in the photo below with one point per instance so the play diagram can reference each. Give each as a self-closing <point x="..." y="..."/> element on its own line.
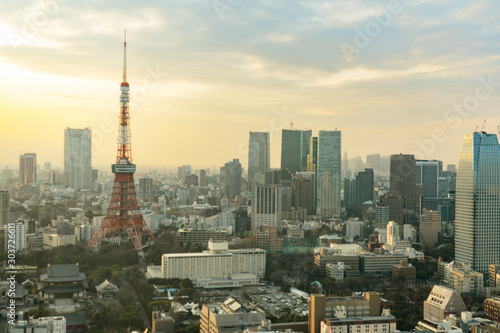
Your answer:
<point x="123" y="214"/>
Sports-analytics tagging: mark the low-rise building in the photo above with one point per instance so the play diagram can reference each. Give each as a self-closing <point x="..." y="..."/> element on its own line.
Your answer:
<point x="442" y="302"/>
<point x="381" y="263"/>
<point x="494" y="275"/>
<point x="216" y="267"/>
<point x="162" y="322"/>
<point x="321" y="307"/>
<point x="377" y="324"/>
<point x="267" y="238"/>
<point x="492" y="308"/>
<point x="405" y="269"/>
<point x="107" y="289"/>
<point x="51" y="240"/>
<point x="231" y="316"/>
<point x="40" y="325"/>
<point x="188" y="235"/>
<point x="340" y="271"/>
<point x="63" y="288"/>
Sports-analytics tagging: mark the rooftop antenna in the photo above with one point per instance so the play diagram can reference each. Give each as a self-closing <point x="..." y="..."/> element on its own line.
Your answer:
<point x="484" y="126"/>
<point x="125" y="56"/>
<point x="291" y="126"/>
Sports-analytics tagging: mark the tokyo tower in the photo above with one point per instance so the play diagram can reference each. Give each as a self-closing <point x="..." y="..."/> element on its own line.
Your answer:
<point x="123" y="213"/>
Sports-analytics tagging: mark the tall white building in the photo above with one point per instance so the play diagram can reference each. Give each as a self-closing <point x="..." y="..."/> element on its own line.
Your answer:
<point x="392" y="233"/>
<point x="78" y="158"/>
<point x="477" y="212"/>
<point x="267" y="206"/>
<point x="20" y="236"/>
<point x="328" y="181"/>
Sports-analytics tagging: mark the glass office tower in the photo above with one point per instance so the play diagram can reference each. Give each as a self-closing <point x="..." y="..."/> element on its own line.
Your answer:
<point x="477" y="221"/>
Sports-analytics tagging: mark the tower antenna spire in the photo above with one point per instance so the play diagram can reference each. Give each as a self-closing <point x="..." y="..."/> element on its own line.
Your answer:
<point x="125" y="56"/>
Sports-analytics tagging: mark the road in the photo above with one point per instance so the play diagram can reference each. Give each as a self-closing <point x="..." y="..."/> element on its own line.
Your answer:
<point x="137" y="302"/>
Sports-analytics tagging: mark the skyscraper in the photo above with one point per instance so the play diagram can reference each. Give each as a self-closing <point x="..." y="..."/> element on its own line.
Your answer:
<point x="477" y="212"/>
<point x="346" y="173"/>
<point x="267" y="206"/>
<point x="304" y="191"/>
<point x="364" y="188"/>
<point x="203" y="178"/>
<point x="374" y="161"/>
<point x="403" y="179"/>
<point x="27" y="169"/>
<point x="312" y="157"/>
<point x="258" y="156"/>
<point x="230" y="177"/>
<point x="78" y="158"/>
<point x="295" y="146"/>
<point x="427" y="174"/>
<point x="328" y="183"/>
<point x="4" y="207"/>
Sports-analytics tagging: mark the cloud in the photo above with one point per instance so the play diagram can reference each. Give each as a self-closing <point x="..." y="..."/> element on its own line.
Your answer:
<point x="225" y="77"/>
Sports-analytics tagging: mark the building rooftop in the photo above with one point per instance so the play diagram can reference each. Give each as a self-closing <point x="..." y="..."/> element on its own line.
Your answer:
<point x="62" y="273"/>
<point x="363" y="319"/>
<point x="447" y="299"/>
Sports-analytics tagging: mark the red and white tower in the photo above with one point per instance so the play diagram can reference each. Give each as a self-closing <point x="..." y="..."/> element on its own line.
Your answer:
<point x="123" y="214"/>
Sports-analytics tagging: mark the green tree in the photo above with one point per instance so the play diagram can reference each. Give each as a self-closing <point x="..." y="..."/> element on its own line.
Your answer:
<point x="285" y="287"/>
<point x="163" y="306"/>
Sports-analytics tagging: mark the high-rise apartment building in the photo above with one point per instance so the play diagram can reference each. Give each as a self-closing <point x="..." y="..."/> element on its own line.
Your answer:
<point x="395" y="202"/>
<point x="78" y="158"/>
<point x="328" y="181"/>
<point x="403" y="179"/>
<point x="4" y="207"/>
<point x="27" y="169"/>
<point x="230" y="177"/>
<point x="20" y="236"/>
<point x="430" y="227"/>
<point x="392" y="233"/>
<point x="146" y="189"/>
<point x="295" y="146"/>
<point x="267" y="206"/>
<point x="258" y="156"/>
<point x="477" y="212"/>
<point x="304" y="191"/>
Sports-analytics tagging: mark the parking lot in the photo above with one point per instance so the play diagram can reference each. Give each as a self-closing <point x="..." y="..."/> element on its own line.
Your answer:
<point x="270" y="299"/>
<point x="279" y="303"/>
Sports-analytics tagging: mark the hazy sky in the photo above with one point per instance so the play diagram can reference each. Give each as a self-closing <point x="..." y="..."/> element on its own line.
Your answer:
<point x="393" y="76"/>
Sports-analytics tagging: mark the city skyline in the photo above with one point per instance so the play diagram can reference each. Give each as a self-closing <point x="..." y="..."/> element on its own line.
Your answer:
<point x="257" y="67"/>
